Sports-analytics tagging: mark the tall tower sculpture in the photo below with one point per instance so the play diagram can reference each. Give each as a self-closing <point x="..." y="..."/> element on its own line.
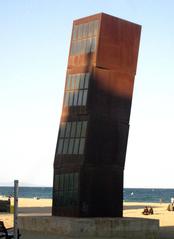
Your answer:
<point x="92" y="140"/>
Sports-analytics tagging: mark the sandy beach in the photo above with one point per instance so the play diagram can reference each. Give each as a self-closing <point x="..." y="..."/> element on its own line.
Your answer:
<point x="131" y="209"/>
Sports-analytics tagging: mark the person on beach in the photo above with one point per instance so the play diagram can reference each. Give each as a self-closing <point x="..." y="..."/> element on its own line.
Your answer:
<point x="151" y="210"/>
<point x="145" y="211"/>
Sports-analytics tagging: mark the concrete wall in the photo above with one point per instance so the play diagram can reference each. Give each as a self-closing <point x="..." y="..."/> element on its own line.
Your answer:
<point x="79" y="228"/>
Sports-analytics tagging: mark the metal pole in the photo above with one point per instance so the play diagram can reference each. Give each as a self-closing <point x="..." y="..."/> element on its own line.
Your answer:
<point x="16" y="182"/>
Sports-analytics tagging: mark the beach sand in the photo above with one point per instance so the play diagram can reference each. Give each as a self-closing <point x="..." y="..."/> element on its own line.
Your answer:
<point x="166" y="218"/>
<point x="131" y="209"/>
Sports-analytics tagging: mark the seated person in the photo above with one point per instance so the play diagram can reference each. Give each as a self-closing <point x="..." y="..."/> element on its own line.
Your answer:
<point x="151" y="210"/>
<point x="146" y="211"/>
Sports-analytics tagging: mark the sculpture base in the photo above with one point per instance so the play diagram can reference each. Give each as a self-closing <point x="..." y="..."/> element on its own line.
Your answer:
<point x="42" y="227"/>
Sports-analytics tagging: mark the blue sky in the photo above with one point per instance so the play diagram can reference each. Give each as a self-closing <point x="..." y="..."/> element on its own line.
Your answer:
<point x="34" y="44"/>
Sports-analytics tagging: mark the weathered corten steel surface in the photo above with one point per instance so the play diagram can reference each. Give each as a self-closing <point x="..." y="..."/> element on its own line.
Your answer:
<point x="92" y="141"/>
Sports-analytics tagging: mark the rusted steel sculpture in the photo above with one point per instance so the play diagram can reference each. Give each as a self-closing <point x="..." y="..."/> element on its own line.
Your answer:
<point x="92" y="140"/>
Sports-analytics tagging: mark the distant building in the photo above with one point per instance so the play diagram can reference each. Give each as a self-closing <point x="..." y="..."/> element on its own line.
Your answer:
<point x="92" y="140"/>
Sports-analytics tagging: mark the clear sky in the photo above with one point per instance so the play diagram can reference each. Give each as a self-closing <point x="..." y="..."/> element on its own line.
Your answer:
<point x="34" y="45"/>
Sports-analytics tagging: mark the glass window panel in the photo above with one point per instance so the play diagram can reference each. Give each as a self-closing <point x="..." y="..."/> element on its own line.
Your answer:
<point x="87" y="76"/>
<point x="72" y="81"/>
<point x="60" y="198"/>
<point x="66" y="179"/>
<point x="82" y="145"/>
<point x="88" y="45"/>
<point x="77" y="47"/>
<point x="80" y="31"/>
<point x="58" y="185"/>
<point x="82" y="79"/>
<point x="66" y="99"/>
<point x="75" y="30"/>
<point x="76" y="179"/>
<point x="84" y="30"/>
<point x="62" y="129"/>
<point x="65" y="146"/>
<point x="72" y="48"/>
<point x="76" y="146"/>
<point x="71" y="182"/>
<point x="85" y="41"/>
<point x="96" y="27"/>
<point x="85" y="93"/>
<point x="68" y="82"/>
<point x="87" y="29"/>
<point x="78" y="130"/>
<point x="61" y="182"/>
<point x="65" y="203"/>
<point x="77" y="81"/>
<point x="93" y="46"/>
<point x="91" y="29"/>
<point x="68" y="129"/>
<point x="80" y="97"/>
<point x="75" y="98"/>
<point x="84" y="126"/>
<point x="57" y="182"/>
<point x="60" y="146"/>
<point x="70" y="98"/>
<point x="82" y="46"/>
<point x="73" y="129"/>
<point x="71" y="144"/>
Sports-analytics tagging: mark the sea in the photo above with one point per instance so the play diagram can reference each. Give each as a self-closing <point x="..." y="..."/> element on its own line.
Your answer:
<point x="130" y="194"/>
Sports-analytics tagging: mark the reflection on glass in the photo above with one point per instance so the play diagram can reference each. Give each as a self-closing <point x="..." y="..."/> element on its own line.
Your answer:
<point x="87" y="76"/>
<point x="96" y="26"/>
<point x="82" y="145"/>
<point x="75" y="28"/>
<point x="71" y="181"/>
<point x="90" y="32"/>
<point x="84" y="30"/>
<point x="61" y="182"/>
<point x="85" y="92"/>
<point x="68" y="128"/>
<point x="93" y="46"/>
<point x="70" y="98"/>
<point x="76" y="146"/>
<point x="78" y="130"/>
<point x="73" y="129"/>
<point x="67" y="191"/>
<point x="70" y="148"/>
<point x="75" y="98"/>
<point x="69" y="137"/>
<point x="77" y="81"/>
<point x="66" y="98"/>
<point x="62" y="129"/>
<point x="83" y="43"/>
<point x="80" y="97"/>
<point x="88" y="45"/>
<point x="68" y="82"/>
<point x="76" y="179"/>
<point x="80" y="31"/>
<point x="72" y="82"/>
<point x="84" y="126"/>
<point x="82" y="76"/>
<point x="66" y="182"/>
<point x="60" y="146"/>
<point x="65" y="146"/>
